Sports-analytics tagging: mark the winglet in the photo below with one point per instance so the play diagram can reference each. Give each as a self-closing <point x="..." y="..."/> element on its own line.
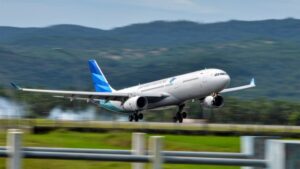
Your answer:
<point x="252" y="83"/>
<point x="16" y="86"/>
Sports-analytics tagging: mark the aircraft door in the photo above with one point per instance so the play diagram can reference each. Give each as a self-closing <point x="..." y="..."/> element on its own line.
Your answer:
<point x="203" y="80"/>
<point x="175" y="85"/>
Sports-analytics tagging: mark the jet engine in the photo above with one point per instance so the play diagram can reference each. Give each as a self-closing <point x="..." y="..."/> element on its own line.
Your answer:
<point x="213" y="101"/>
<point x="135" y="103"/>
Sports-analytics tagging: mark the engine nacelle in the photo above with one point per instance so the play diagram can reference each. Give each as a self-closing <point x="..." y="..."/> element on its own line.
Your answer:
<point x="135" y="103"/>
<point x="213" y="101"/>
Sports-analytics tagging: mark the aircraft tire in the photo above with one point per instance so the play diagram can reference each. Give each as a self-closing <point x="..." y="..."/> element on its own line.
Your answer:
<point x="179" y="117"/>
<point x="184" y="115"/>
<point x="136" y="117"/>
<point x="130" y="117"/>
<point x="141" y="116"/>
<point x="175" y="119"/>
<point x="180" y="120"/>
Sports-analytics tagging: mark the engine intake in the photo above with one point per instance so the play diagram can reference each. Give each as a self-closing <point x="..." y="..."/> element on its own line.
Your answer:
<point x="135" y="103"/>
<point x="213" y="101"/>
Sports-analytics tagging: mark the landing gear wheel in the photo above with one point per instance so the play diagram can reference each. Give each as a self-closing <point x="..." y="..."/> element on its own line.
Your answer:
<point x="174" y="119"/>
<point x="184" y="115"/>
<point x="179" y="117"/>
<point x="130" y="117"/>
<point x="180" y="120"/>
<point x="141" y="116"/>
<point x="136" y="117"/>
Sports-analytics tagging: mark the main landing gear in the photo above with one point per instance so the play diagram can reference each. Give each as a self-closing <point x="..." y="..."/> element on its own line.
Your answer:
<point x="136" y="116"/>
<point x="180" y="115"/>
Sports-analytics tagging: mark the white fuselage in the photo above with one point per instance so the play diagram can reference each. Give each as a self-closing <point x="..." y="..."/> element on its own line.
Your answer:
<point x="194" y="85"/>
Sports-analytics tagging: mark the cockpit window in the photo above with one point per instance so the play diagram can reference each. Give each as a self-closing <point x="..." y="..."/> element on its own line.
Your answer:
<point x="220" y="74"/>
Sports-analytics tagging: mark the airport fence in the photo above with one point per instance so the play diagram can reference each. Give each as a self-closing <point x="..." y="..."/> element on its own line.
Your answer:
<point x="257" y="152"/>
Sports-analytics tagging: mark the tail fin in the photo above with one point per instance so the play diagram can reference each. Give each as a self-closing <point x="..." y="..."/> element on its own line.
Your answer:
<point x="99" y="80"/>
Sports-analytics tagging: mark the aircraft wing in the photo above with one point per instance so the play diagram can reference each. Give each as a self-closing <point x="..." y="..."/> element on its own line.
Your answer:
<point x="252" y="84"/>
<point x="86" y="95"/>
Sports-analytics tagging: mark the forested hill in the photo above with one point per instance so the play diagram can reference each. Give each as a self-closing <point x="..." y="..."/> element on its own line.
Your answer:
<point x="154" y="34"/>
<point x="56" y="56"/>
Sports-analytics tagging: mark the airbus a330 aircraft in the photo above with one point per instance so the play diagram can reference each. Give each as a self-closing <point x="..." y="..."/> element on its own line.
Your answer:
<point x="205" y="85"/>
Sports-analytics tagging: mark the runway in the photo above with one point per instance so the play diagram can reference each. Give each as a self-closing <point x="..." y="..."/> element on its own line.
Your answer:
<point x="154" y="127"/>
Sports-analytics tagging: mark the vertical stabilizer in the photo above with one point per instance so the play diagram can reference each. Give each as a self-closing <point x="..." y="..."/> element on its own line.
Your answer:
<point x="99" y="80"/>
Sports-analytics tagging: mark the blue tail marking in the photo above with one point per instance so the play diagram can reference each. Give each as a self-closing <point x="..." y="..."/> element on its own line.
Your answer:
<point x="99" y="80"/>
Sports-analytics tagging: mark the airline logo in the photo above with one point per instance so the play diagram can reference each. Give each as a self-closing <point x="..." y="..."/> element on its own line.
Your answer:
<point x="172" y="80"/>
<point x="100" y="82"/>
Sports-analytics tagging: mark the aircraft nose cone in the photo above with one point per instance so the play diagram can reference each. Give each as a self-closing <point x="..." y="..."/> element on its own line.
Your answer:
<point x="226" y="80"/>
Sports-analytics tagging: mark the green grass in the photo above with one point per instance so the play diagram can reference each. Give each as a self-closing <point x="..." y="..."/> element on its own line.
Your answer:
<point x="202" y="143"/>
<point x="79" y="140"/>
<point x="117" y="140"/>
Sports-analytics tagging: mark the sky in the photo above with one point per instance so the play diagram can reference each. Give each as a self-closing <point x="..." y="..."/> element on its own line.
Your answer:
<point x="108" y="14"/>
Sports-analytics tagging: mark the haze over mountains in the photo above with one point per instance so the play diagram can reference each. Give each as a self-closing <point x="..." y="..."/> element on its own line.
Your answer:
<point x="56" y="56"/>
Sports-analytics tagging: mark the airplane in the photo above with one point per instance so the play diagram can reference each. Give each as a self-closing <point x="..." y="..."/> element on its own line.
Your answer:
<point x="204" y="85"/>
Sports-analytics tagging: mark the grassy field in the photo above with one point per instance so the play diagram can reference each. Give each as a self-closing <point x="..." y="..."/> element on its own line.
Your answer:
<point x="117" y="140"/>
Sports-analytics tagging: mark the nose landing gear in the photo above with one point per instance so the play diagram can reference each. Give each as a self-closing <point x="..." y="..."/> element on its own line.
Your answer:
<point x="180" y="115"/>
<point x="184" y="115"/>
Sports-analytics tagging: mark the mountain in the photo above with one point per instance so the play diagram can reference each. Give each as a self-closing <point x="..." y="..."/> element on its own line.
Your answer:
<point x="56" y="56"/>
<point x="154" y="34"/>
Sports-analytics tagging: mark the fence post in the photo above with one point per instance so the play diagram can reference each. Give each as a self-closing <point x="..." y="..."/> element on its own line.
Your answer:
<point x="255" y="146"/>
<point x="138" y="148"/>
<point x="155" y="148"/>
<point x="283" y="154"/>
<point x="14" y="149"/>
